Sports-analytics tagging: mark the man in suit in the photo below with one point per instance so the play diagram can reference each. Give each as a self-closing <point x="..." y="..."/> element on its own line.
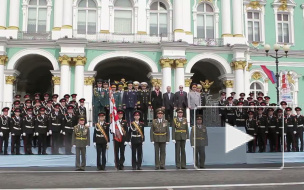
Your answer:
<point x="181" y="99"/>
<point x="194" y="100"/>
<point x="160" y="137"/>
<point x="129" y="101"/>
<point x="168" y="105"/>
<point x="81" y="140"/>
<point x="156" y="99"/>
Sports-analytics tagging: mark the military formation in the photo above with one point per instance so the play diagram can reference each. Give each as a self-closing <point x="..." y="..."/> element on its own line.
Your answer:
<point x="273" y="126"/>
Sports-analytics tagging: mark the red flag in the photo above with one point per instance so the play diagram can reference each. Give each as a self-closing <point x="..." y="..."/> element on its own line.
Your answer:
<point x="115" y="124"/>
<point x="269" y="73"/>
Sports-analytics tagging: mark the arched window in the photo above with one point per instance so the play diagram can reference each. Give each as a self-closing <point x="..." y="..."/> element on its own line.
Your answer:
<point x="256" y="87"/>
<point x="205" y="21"/>
<point x="37" y="16"/>
<point x="158" y="19"/>
<point x="123" y="17"/>
<point x="87" y="17"/>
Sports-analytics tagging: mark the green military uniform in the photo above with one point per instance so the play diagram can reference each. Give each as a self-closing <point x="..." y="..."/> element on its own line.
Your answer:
<point x="118" y="100"/>
<point x="180" y="134"/>
<point x="98" y="101"/>
<point x="201" y="140"/>
<point x="81" y="139"/>
<point x="160" y="136"/>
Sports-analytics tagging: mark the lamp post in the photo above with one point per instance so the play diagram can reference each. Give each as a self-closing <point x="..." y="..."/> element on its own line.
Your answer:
<point x="276" y="48"/>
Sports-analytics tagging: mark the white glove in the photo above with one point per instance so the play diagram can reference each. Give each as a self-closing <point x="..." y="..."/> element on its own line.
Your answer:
<point x="34" y="134"/>
<point x="167" y="143"/>
<point x="74" y="145"/>
<point x="192" y="146"/>
<point x="94" y="144"/>
<point x="295" y="132"/>
<point x="63" y="133"/>
<point x="188" y="140"/>
<point x="50" y="132"/>
<point x="266" y="131"/>
<point x="284" y="133"/>
<point x="129" y="143"/>
<point x="220" y="115"/>
<point x="174" y="141"/>
<point x="47" y="134"/>
<point x="37" y="134"/>
<point x="108" y="145"/>
<point x="24" y="134"/>
<point x="1" y="134"/>
<point x="235" y="126"/>
<point x="143" y="143"/>
<point x="13" y="134"/>
<point x="152" y="142"/>
<point x="226" y="120"/>
<point x="126" y="143"/>
<point x="87" y="146"/>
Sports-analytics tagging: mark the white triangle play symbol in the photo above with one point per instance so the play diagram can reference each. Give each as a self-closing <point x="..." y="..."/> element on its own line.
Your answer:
<point x="235" y="138"/>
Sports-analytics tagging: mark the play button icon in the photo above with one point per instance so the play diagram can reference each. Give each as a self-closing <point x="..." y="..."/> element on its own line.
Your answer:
<point x="235" y="138"/>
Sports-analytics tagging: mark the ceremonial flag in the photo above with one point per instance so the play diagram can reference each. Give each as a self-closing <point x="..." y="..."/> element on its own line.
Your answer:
<point x="114" y="120"/>
<point x="269" y="73"/>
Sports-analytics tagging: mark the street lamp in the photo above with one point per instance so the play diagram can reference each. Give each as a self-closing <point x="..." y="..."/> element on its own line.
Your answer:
<point x="276" y="48"/>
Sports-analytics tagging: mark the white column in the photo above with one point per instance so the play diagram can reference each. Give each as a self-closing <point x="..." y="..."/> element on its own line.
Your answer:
<point x="58" y="12"/>
<point x="247" y="79"/>
<point x="14" y="14"/>
<point x="226" y="18"/>
<point x="239" y="76"/>
<point x="187" y="16"/>
<point x="179" y="73"/>
<point x="9" y="90"/>
<point x="229" y="86"/>
<point x="105" y="13"/>
<point x="3" y="60"/>
<point x="3" y="12"/>
<point x="56" y="82"/>
<point x="166" y="71"/>
<point x="178" y="20"/>
<point x="237" y="18"/>
<point x="67" y="19"/>
<point x="88" y="88"/>
<point x="79" y="75"/>
<point x="142" y="18"/>
<point x="65" y="74"/>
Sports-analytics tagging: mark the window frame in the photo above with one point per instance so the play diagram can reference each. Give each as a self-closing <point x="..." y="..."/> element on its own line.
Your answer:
<point x="159" y="12"/>
<point x="282" y="22"/>
<point x="87" y="9"/>
<point x="205" y="14"/>
<point x="253" y="20"/>
<point x="115" y="8"/>
<point x="255" y="90"/>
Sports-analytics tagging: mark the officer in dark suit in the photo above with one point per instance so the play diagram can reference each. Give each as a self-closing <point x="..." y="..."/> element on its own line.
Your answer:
<point x="56" y="127"/>
<point x="240" y="115"/>
<point x="4" y="130"/>
<point x="70" y="120"/>
<point x="129" y="101"/>
<point x="63" y="106"/>
<point x="143" y="102"/>
<point x="16" y="131"/>
<point x="222" y="114"/>
<point x="81" y="140"/>
<point x="181" y="99"/>
<point x="168" y="105"/>
<point x="42" y="130"/>
<point x="251" y="129"/>
<point x="156" y="99"/>
<point x="82" y="111"/>
<point x="262" y="129"/>
<point x="200" y="141"/>
<point x="98" y="97"/>
<point x="299" y="123"/>
<point x="272" y="123"/>
<point x="28" y="128"/>
<point x="281" y="130"/>
<point x="230" y="112"/>
<point x="180" y="135"/>
<point x="136" y="139"/>
<point x="119" y="146"/>
<point x="291" y="130"/>
<point x="106" y="99"/>
<point x="116" y="95"/>
<point x="101" y="140"/>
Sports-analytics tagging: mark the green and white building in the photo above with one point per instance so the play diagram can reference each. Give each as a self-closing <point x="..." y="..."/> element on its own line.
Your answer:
<point x="61" y="46"/>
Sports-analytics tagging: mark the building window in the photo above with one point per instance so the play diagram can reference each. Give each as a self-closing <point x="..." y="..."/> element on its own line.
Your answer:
<point x="254" y="26"/>
<point x="123" y="17"/>
<point x="158" y="19"/>
<point x="256" y="87"/>
<point x="283" y="24"/>
<point x="205" y="21"/>
<point x="87" y="17"/>
<point x="37" y="16"/>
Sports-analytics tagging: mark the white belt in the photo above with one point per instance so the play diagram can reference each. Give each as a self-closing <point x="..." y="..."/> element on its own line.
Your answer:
<point x="262" y="126"/>
<point x="57" y="124"/>
<point x="289" y="125"/>
<point x="272" y="126"/>
<point x="136" y="135"/>
<point x="69" y="127"/>
<point x="17" y="128"/>
<point x="99" y="135"/>
<point x="230" y="113"/>
<point x="251" y="129"/>
<point x="240" y="119"/>
<point x="29" y="127"/>
<point x="300" y="125"/>
<point x="4" y="128"/>
<point x="41" y="126"/>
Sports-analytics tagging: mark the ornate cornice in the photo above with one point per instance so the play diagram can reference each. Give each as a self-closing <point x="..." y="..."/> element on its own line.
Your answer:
<point x="80" y="61"/>
<point x="228" y="83"/>
<point x="179" y="63"/>
<point x="166" y="63"/>
<point x="254" y="5"/>
<point x="156" y="82"/>
<point x="64" y="60"/>
<point x="188" y="82"/>
<point x="10" y="79"/>
<point x="56" y="80"/>
<point x="3" y="59"/>
<point x="89" y="81"/>
<point x="256" y="76"/>
<point x="249" y="66"/>
<point x="238" y="65"/>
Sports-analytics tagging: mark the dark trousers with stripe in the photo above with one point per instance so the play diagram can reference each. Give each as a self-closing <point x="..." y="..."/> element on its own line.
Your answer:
<point x="15" y="144"/>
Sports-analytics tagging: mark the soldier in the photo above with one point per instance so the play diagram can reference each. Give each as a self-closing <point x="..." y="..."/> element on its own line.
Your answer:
<point x="37" y="106"/>
<point x="117" y="96"/>
<point x="180" y="135"/>
<point x="136" y="139"/>
<point x="299" y="134"/>
<point x="242" y="99"/>
<point x="259" y="101"/>
<point x="106" y="99"/>
<point x="160" y="137"/>
<point x="272" y="123"/>
<point x="251" y="129"/>
<point x="194" y="100"/>
<point x="240" y="115"/>
<point x="156" y="99"/>
<point x="25" y="97"/>
<point x="42" y="130"/>
<point x="46" y="97"/>
<point x="267" y="100"/>
<point x="27" y="104"/>
<point x="70" y="120"/>
<point x="281" y="130"/>
<point x="121" y="90"/>
<point x="200" y="141"/>
<point x="260" y="94"/>
<point x="67" y="98"/>
<point x="101" y="140"/>
<point x="119" y="147"/>
<point x="222" y="114"/>
<point x="98" y="104"/>
<point x="49" y="107"/>
<point x="55" y="99"/>
<point x="129" y="102"/>
<point x="230" y="111"/>
<point x="234" y="100"/>
<point x="262" y="129"/>
<point x="63" y="106"/>
<point x="143" y="102"/>
<point x="16" y="131"/>
<point x="4" y="130"/>
<point x="28" y="128"/>
<point x="16" y="105"/>
<point x="136" y="86"/>
<point x="81" y="140"/>
<point x="82" y="111"/>
<point x="291" y="129"/>
<point x="56" y="126"/>
<point x="74" y="96"/>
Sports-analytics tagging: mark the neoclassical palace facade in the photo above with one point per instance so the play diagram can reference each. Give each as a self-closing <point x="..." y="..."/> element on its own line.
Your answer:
<point x="62" y="46"/>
